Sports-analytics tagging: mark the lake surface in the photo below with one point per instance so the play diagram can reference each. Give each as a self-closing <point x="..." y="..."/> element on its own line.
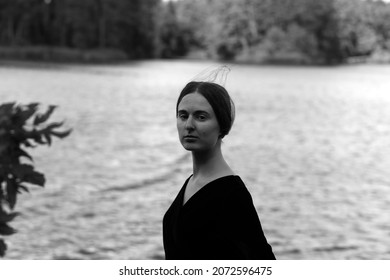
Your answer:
<point x="312" y="145"/>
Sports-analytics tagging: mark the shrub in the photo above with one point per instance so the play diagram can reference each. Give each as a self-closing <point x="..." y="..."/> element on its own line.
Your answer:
<point x="21" y="126"/>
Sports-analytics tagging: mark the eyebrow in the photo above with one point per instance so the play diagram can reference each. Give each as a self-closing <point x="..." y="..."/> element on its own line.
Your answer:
<point x="197" y="112"/>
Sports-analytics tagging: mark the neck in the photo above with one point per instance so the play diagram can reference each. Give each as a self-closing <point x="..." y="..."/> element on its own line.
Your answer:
<point x="209" y="163"/>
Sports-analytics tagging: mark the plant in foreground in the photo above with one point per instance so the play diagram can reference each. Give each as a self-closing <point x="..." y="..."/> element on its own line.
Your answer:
<point x="21" y="127"/>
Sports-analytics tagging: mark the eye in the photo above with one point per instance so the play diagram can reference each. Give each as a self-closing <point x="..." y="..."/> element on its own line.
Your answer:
<point x="182" y="116"/>
<point x="202" y="117"/>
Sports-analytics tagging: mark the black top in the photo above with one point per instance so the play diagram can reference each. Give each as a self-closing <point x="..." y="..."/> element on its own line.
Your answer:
<point x="218" y="222"/>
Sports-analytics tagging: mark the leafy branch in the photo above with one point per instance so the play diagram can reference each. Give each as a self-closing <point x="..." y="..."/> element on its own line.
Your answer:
<point x="21" y="127"/>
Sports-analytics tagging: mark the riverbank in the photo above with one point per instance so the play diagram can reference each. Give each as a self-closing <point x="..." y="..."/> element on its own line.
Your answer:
<point x="292" y="58"/>
<point x="255" y="57"/>
<point x="58" y="54"/>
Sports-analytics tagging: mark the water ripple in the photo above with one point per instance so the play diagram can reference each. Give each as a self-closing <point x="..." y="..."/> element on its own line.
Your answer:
<point x="311" y="144"/>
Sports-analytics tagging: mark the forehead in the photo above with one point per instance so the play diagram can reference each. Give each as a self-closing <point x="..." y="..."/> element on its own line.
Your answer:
<point x="195" y="102"/>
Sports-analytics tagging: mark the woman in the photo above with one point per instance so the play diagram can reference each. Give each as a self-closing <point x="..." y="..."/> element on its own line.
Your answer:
<point x="213" y="216"/>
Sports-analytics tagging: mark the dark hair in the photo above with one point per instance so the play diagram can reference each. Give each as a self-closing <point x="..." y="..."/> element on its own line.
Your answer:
<point x="219" y="100"/>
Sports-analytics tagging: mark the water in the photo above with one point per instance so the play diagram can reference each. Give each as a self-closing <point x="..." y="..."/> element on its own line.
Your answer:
<point x="312" y="144"/>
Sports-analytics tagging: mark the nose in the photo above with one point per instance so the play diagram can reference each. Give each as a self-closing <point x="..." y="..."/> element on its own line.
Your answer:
<point x="189" y="125"/>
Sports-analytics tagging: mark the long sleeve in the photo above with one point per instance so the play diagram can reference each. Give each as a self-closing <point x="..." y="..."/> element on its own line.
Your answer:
<point x="243" y="231"/>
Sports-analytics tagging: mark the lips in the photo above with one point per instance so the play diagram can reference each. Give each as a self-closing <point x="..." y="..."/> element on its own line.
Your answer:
<point x="190" y="137"/>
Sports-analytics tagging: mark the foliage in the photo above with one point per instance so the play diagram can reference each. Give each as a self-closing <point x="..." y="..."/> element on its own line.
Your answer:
<point x="312" y="31"/>
<point x="326" y="31"/>
<point x="128" y="25"/>
<point x="21" y="126"/>
<point x="174" y="38"/>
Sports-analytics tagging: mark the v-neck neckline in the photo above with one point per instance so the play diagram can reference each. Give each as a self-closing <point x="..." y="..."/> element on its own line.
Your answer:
<point x="198" y="191"/>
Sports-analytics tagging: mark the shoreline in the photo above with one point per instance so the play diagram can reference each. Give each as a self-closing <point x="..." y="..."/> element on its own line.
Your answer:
<point x="61" y="55"/>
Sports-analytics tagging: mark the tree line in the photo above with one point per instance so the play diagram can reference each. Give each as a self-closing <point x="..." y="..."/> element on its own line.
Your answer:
<point x="304" y="31"/>
<point x="128" y="25"/>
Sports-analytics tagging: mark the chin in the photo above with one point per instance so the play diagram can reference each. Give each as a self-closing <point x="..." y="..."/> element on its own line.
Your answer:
<point x="196" y="149"/>
<point x="190" y="147"/>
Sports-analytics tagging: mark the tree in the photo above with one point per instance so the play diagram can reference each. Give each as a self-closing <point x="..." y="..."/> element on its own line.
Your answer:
<point x="174" y="36"/>
<point x="357" y="36"/>
<point x="128" y="25"/>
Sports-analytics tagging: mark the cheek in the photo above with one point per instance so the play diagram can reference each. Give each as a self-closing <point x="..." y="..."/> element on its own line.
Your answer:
<point x="179" y="123"/>
<point x="211" y="131"/>
<point x="179" y="127"/>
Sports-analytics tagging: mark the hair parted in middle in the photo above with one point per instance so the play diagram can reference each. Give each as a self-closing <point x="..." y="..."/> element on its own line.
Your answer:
<point x="218" y="98"/>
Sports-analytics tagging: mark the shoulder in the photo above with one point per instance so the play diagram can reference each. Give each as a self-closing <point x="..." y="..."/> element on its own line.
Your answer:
<point x="234" y="183"/>
<point x="236" y="201"/>
<point x="235" y="189"/>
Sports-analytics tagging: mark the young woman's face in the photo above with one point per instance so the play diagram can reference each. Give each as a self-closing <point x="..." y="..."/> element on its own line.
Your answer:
<point x="197" y="124"/>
